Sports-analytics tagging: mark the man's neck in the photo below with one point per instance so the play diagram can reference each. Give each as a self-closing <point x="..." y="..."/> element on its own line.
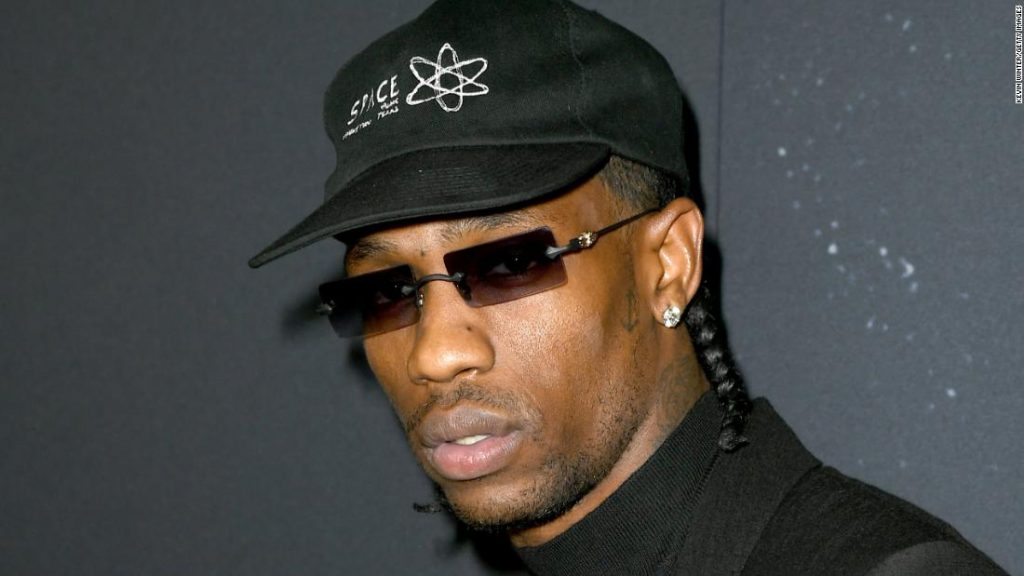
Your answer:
<point x="680" y="383"/>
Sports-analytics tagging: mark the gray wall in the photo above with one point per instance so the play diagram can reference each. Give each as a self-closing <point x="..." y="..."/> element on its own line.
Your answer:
<point x="166" y="410"/>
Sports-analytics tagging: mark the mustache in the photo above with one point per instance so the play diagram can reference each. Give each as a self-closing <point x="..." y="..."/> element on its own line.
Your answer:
<point x="501" y="400"/>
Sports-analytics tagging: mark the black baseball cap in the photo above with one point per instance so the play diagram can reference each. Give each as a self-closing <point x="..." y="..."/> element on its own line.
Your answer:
<point x="482" y="105"/>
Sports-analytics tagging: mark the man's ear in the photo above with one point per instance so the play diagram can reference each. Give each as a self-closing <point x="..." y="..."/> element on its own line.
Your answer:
<point x="673" y="255"/>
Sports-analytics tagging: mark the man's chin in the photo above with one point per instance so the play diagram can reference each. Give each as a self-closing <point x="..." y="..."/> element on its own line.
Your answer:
<point x="501" y="520"/>
<point x="487" y="508"/>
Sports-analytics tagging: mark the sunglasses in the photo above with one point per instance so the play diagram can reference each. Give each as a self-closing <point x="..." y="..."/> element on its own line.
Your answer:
<point x="491" y="273"/>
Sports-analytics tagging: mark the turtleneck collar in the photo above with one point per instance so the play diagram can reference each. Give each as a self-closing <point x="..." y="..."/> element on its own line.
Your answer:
<point x="639" y="527"/>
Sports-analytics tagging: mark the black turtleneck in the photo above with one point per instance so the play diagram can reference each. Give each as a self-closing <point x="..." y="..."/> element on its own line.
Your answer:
<point x="638" y="529"/>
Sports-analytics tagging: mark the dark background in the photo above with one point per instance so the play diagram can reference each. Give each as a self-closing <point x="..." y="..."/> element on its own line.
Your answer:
<point x="166" y="410"/>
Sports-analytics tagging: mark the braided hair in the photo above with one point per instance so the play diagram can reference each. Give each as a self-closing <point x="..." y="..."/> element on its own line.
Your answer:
<point x="641" y="187"/>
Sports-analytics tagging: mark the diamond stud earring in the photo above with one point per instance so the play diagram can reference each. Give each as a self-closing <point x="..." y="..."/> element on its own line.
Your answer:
<point x="671" y="316"/>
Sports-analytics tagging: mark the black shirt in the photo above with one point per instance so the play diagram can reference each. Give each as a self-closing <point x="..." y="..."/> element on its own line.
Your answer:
<point x="769" y="508"/>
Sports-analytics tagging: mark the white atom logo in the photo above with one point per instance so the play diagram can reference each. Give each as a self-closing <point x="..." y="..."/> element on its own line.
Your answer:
<point x="448" y="81"/>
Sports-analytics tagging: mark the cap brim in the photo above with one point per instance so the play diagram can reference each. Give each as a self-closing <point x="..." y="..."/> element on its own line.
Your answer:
<point x="442" y="182"/>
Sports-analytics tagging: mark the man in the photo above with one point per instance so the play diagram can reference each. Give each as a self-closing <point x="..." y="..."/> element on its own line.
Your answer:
<point x="525" y="268"/>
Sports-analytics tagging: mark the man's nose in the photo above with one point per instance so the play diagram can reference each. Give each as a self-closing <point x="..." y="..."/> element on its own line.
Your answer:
<point x="451" y="338"/>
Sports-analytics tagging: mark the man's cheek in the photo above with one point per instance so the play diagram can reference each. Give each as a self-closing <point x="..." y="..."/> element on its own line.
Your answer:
<point x="405" y="399"/>
<point x="390" y="380"/>
<point x="387" y="362"/>
<point x="544" y="322"/>
<point x="376" y="361"/>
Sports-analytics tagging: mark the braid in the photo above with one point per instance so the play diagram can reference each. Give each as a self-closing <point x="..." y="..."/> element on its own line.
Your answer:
<point x="640" y="187"/>
<point x="716" y="360"/>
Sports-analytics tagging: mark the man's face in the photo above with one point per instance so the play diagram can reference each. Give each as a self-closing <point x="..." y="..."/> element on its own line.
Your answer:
<point x="518" y="409"/>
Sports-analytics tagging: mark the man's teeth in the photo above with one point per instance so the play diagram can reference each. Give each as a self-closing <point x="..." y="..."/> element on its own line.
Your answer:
<point x="470" y="440"/>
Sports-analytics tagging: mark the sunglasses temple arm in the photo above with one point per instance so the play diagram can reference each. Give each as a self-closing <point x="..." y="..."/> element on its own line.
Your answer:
<point x="588" y="239"/>
<point x="629" y="220"/>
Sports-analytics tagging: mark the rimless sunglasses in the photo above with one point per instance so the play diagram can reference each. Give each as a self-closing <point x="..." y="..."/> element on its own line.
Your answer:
<point x="491" y="273"/>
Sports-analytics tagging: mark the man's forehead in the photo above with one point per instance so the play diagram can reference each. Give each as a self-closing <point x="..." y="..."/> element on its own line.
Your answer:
<point x="564" y="210"/>
<point x="382" y="243"/>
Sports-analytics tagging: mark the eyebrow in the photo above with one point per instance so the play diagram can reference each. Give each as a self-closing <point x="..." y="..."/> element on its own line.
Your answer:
<point x="366" y="248"/>
<point x="457" y="229"/>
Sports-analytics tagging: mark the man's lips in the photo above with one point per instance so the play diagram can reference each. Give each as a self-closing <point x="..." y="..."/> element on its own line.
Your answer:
<point x="467" y="443"/>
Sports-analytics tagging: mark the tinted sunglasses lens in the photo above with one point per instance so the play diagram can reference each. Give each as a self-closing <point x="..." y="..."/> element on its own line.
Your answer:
<point x="507" y="269"/>
<point x="371" y="303"/>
